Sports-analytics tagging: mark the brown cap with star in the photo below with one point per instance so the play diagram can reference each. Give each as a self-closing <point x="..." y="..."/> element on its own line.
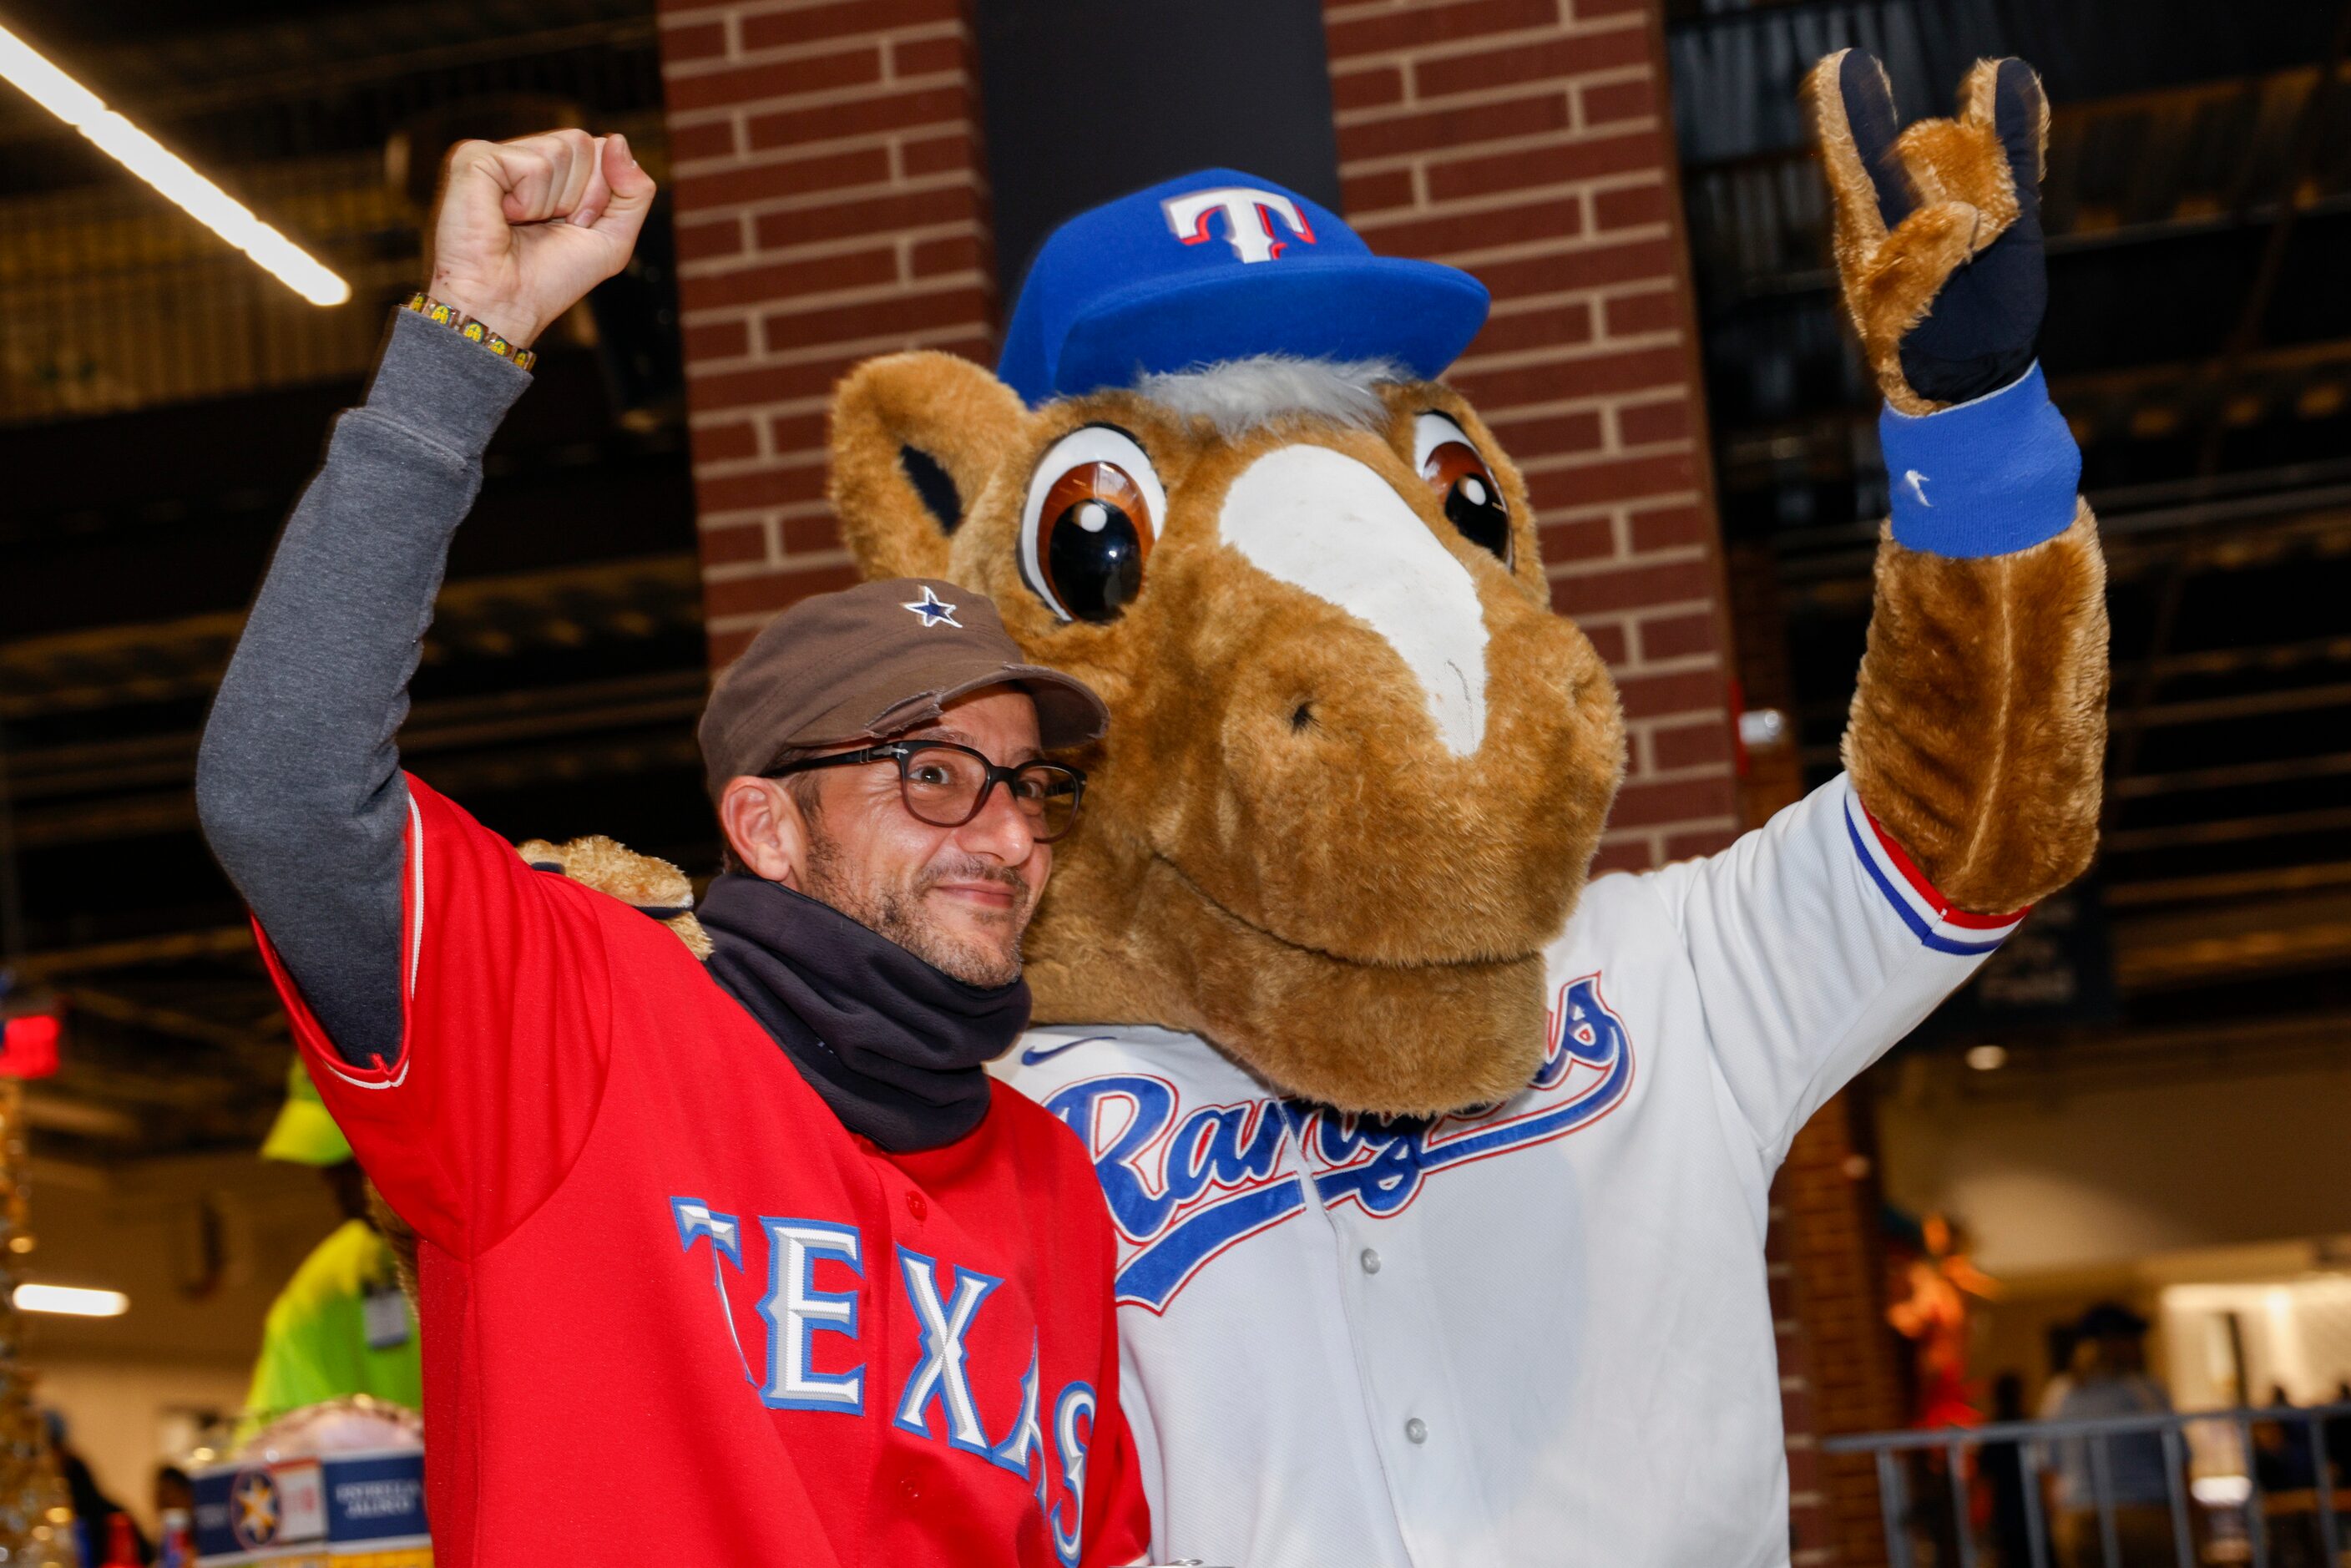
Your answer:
<point x="871" y="662"/>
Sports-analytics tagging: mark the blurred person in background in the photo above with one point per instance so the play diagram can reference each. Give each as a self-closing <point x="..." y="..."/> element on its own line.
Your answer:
<point x="2284" y="1459"/>
<point x="341" y="1325"/>
<point x="172" y="1491"/>
<point x="2338" y="1436"/>
<point x="175" y="1496"/>
<point x="2062" y="1340"/>
<point x="2004" y="1471"/>
<point x="2110" y="1379"/>
<point x="96" y="1531"/>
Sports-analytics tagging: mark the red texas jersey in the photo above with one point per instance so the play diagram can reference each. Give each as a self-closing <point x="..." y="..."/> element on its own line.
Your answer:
<point x="668" y="1297"/>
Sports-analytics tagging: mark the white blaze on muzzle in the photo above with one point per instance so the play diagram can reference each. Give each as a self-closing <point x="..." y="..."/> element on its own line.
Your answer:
<point x="1321" y="521"/>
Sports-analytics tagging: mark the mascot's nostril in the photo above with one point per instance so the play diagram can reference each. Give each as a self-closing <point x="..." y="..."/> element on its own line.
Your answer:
<point x="1301" y="716"/>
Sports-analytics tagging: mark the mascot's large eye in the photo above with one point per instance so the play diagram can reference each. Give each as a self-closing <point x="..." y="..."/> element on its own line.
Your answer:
<point x="1095" y="506"/>
<point x="1442" y="452"/>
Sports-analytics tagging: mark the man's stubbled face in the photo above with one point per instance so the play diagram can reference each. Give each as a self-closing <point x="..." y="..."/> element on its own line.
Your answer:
<point x="958" y="898"/>
<point x="902" y="904"/>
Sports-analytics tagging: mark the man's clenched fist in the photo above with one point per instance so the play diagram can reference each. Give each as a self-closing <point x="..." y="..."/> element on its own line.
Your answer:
<point x="524" y="228"/>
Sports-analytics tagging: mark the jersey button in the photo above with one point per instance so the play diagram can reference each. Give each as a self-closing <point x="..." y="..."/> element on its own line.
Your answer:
<point x="1417" y="1430"/>
<point x="1371" y="1260"/>
<point x="915" y="1205"/>
<point x="908" y="1489"/>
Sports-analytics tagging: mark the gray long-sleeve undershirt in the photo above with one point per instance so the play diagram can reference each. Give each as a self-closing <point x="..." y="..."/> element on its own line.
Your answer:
<point x="297" y="782"/>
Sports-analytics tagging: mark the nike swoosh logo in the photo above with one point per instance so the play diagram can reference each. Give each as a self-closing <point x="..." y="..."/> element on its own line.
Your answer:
<point x="1031" y="1055"/>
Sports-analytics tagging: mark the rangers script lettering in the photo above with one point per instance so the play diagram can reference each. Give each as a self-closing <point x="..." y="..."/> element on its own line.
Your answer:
<point x="1182" y="1191"/>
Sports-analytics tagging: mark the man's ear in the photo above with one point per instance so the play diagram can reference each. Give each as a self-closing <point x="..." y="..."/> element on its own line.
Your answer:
<point x="916" y="438"/>
<point x="766" y="828"/>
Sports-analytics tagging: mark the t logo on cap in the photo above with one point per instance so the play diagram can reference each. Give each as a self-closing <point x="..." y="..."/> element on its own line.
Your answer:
<point x="1108" y="298"/>
<point x="1249" y="219"/>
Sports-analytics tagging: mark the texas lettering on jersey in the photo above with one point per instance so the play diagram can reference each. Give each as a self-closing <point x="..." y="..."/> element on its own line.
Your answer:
<point x="1184" y="1184"/>
<point x="797" y="1310"/>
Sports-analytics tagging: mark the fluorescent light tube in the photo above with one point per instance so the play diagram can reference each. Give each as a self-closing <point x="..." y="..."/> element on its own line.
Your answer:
<point x="71" y="1300"/>
<point x="148" y="159"/>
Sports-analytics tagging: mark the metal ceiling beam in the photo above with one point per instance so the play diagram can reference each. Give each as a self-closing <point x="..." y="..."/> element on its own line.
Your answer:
<point x="1827" y="437"/>
<point x="248" y="1042"/>
<point x="2198" y="710"/>
<point x="2128" y="728"/>
<point x="2269" y="657"/>
<point x="2247" y="704"/>
<point x="174" y="810"/>
<point x="1829" y="566"/>
<point x="331" y="54"/>
<point x="2231" y="830"/>
<point x="501" y="719"/>
<point x="2261" y="883"/>
<point x="2198" y="946"/>
<point x="179" y="947"/>
<point x="51" y="1112"/>
<point x="112" y="665"/>
<point x="2140" y="1057"/>
<point x="2234" y="775"/>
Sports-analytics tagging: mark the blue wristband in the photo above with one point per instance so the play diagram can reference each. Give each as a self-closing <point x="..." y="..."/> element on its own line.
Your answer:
<point x="1985" y="477"/>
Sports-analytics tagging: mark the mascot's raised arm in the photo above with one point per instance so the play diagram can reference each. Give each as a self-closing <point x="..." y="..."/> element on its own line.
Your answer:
<point x="1440" y="1175"/>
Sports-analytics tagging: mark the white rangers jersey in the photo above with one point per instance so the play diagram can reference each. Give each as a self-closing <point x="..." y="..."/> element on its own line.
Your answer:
<point x="1538" y="1334"/>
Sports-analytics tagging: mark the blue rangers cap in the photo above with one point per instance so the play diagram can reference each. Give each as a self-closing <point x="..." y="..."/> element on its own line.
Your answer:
<point x="1222" y="266"/>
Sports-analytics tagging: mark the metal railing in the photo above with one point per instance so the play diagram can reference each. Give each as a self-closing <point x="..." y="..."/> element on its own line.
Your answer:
<point x="2219" y="1514"/>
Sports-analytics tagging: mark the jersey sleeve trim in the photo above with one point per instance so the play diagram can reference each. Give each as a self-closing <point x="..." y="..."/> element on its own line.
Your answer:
<point x="1922" y="907"/>
<point x="380" y="1076"/>
<point x="416" y="904"/>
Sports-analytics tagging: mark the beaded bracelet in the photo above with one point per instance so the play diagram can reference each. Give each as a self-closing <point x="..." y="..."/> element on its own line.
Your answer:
<point x="466" y="327"/>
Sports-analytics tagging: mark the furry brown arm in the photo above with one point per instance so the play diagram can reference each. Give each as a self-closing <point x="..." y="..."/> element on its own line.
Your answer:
<point x="1979" y="728"/>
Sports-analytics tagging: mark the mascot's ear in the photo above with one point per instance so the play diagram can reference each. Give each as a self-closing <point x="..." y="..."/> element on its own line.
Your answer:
<point x="916" y="438"/>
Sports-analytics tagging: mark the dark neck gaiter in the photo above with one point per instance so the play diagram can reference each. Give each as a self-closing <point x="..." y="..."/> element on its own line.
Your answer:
<point x="895" y="1047"/>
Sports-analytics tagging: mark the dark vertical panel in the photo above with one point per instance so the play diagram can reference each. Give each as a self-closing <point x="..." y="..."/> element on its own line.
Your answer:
<point x="1087" y="100"/>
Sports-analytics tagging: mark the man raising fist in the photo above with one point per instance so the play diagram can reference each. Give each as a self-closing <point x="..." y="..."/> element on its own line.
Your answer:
<point x="526" y="228"/>
<point x="750" y="1257"/>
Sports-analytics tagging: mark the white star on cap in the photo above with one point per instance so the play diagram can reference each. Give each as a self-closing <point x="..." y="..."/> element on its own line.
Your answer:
<point x="933" y="610"/>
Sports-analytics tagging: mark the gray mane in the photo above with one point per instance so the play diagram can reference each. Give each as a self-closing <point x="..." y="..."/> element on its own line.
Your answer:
<point x="1238" y="395"/>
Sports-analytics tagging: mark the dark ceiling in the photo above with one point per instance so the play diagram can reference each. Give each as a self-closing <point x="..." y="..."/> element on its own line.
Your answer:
<point x="2198" y="202"/>
<point x="162" y="402"/>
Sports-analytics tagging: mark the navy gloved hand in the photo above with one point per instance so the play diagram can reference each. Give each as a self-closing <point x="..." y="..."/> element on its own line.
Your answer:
<point x="1937" y="227"/>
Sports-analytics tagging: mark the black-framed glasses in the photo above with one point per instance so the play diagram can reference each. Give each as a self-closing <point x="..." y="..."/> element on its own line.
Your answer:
<point x="945" y="784"/>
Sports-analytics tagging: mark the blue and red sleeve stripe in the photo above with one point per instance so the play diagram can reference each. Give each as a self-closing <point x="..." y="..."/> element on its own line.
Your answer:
<point x="1921" y="906"/>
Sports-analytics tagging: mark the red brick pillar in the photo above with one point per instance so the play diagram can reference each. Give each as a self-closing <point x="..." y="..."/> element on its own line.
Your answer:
<point x="1838" y="1360"/>
<point x="832" y="205"/>
<point x="1527" y="142"/>
<point x="1840" y="1365"/>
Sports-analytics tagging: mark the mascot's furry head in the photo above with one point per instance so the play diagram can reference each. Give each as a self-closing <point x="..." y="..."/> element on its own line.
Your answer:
<point x="1357" y="767"/>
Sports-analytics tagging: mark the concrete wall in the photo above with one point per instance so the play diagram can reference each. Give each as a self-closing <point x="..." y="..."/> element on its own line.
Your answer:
<point x="2104" y="1176"/>
<point x="202" y="1247"/>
